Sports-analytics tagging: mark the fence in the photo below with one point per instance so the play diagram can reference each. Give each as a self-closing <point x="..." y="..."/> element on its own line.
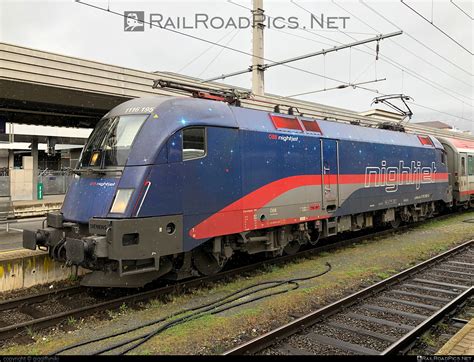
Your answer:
<point x="5" y="208"/>
<point x="55" y="182"/>
<point x="4" y="186"/>
<point x="5" y="211"/>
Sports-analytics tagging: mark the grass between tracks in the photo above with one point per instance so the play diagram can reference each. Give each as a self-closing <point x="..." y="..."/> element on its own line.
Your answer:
<point x="354" y="267"/>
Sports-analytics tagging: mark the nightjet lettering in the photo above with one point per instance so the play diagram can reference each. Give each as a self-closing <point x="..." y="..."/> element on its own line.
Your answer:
<point x="102" y="184"/>
<point x="283" y="138"/>
<point x="288" y="138"/>
<point x="391" y="177"/>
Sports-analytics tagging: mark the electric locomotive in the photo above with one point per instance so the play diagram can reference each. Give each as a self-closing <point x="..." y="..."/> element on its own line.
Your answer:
<point x="170" y="187"/>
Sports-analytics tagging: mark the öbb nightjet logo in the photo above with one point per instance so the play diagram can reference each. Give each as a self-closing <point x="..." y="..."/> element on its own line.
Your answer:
<point x="134" y="21"/>
<point x="275" y="137"/>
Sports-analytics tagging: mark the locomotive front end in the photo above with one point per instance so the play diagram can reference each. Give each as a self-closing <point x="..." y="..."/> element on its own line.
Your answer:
<point x="98" y="227"/>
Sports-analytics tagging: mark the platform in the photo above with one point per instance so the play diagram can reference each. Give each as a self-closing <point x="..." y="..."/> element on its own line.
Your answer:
<point x="462" y="343"/>
<point x="22" y="268"/>
<point x="30" y="208"/>
<point x="26" y="268"/>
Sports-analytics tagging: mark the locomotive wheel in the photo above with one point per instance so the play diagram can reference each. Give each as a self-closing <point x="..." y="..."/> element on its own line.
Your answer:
<point x="292" y="248"/>
<point x="205" y="262"/>
<point x="314" y="237"/>
<point x="395" y="223"/>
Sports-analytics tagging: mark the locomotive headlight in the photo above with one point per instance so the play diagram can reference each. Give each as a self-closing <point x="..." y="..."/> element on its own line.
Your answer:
<point x="121" y="201"/>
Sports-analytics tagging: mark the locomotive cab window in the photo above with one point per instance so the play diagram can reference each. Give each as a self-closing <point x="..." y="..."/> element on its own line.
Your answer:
<point x="111" y="141"/>
<point x="194" y="143"/>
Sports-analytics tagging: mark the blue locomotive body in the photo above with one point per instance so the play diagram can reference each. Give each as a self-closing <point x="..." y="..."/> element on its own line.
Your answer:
<point x="167" y="186"/>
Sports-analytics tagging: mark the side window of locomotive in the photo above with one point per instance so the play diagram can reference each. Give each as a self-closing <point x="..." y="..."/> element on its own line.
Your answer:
<point x="443" y="157"/>
<point x="470" y="165"/>
<point x="194" y="143"/>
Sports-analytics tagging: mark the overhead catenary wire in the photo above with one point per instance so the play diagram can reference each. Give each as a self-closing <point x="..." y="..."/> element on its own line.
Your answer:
<point x="319" y="30"/>
<point x="319" y="42"/>
<point x="416" y="40"/>
<point x="437" y="27"/>
<point x="461" y="9"/>
<point x="323" y="52"/>
<point x="442" y="112"/>
<point x="220" y="45"/>
<point x="401" y="69"/>
<point x="217" y="306"/>
<point x="386" y="59"/>
<point x="204" y="52"/>
<point x="301" y="107"/>
<point x="218" y="54"/>
<point x="309" y="55"/>
<point x="403" y="76"/>
<point x="304" y="29"/>
<point x="401" y="46"/>
<point x="365" y="70"/>
<point x="256" y="99"/>
<point x="299" y="36"/>
<point x="244" y="52"/>
<point x="396" y="64"/>
<point x="432" y="10"/>
<point x="350" y="63"/>
<point x="342" y="86"/>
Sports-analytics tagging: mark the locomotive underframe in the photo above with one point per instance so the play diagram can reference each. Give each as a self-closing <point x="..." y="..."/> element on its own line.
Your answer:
<point x="133" y="252"/>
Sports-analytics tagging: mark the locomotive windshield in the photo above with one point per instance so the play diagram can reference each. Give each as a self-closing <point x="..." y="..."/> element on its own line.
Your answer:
<point x="111" y="141"/>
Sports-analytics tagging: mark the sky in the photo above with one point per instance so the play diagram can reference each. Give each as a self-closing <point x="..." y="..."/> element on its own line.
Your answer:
<point x="433" y="65"/>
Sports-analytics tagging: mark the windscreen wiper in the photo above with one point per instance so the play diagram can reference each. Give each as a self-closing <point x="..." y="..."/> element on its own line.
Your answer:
<point x="96" y="171"/>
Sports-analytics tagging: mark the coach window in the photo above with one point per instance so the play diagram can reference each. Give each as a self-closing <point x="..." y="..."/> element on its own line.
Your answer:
<point x="194" y="143"/>
<point x="443" y="157"/>
<point x="470" y="165"/>
<point x="463" y="166"/>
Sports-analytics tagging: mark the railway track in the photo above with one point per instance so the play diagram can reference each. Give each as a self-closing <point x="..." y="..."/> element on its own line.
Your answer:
<point x="439" y="334"/>
<point x="48" y="309"/>
<point x="384" y="319"/>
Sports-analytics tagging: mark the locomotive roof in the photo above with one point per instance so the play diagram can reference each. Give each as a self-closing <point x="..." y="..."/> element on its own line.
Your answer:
<point x="209" y="112"/>
<point x="459" y="145"/>
<point x="261" y="121"/>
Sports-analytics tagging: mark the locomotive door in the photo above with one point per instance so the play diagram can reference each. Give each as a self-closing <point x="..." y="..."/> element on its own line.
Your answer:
<point x="330" y="174"/>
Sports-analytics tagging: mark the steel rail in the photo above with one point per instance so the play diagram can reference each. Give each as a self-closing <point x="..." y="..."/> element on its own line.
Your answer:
<point x="47" y="321"/>
<point x="270" y="338"/>
<point x="38" y="298"/>
<point x="404" y="343"/>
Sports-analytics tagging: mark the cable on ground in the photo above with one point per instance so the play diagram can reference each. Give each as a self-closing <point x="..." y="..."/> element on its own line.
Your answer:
<point x="220" y="305"/>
